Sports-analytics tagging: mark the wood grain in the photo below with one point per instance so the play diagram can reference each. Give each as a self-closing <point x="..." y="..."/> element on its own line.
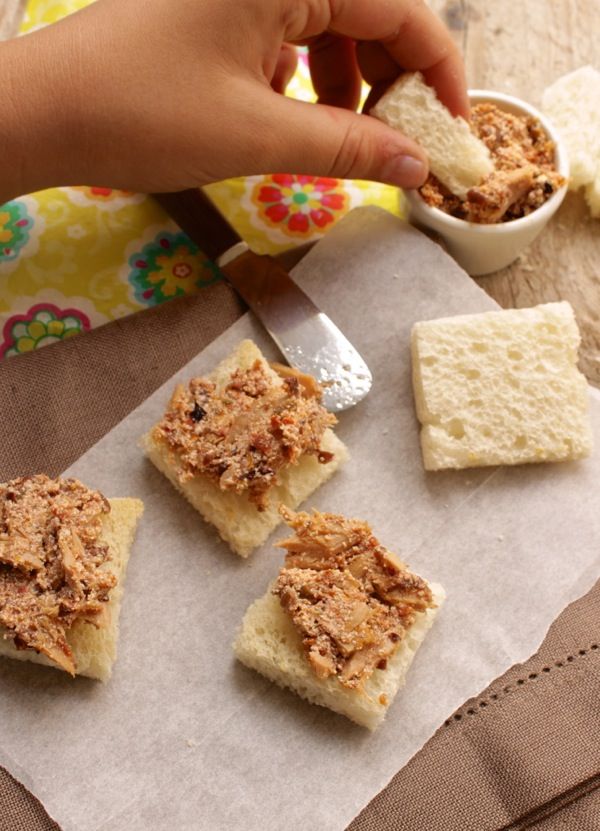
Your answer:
<point x="520" y="48"/>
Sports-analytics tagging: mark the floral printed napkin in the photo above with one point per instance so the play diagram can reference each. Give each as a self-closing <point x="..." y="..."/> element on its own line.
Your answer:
<point x="74" y="258"/>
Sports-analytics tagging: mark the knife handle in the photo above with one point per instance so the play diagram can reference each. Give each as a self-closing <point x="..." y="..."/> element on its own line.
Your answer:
<point x="270" y="292"/>
<point x="195" y="214"/>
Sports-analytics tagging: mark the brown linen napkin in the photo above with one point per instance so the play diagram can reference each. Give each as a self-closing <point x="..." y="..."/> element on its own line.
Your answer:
<point x="58" y="402"/>
<point x="520" y="752"/>
<point x="524" y="754"/>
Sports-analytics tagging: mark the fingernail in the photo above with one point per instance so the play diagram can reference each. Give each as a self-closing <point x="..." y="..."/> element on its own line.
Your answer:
<point x="405" y="172"/>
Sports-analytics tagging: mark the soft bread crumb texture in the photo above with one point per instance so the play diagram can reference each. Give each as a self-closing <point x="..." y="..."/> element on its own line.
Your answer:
<point x="500" y="388"/>
<point x="269" y="643"/>
<point x="457" y="157"/>
<point x="573" y="104"/>
<point x="95" y="650"/>
<point x="236" y="519"/>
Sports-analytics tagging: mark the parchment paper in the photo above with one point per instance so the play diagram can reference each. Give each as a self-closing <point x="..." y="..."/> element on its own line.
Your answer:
<point x="184" y="738"/>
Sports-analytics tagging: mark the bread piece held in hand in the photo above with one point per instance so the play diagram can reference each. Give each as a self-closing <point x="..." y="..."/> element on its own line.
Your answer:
<point x="500" y="388"/>
<point x="458" y="158"/>
<point x="573" y="104"/>
<point x="342" y="622"/>
<point x="243" y="440"/>
<point x="63" y="554"/>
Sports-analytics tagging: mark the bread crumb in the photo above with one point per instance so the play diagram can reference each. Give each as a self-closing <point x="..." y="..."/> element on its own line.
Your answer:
<point x="501" y="387"/>
<point x="456" y="156"/>
<point x="525" y="174"/>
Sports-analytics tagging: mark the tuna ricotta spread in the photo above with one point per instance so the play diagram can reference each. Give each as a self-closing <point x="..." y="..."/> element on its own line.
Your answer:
<point x="525" y="175"/>
<point x="242" y="436"/>
<point x="51" y="563"/>
<point x="351" y="600"/>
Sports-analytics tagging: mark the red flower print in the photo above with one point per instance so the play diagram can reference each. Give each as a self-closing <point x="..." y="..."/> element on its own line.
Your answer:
<point x="300" y="205"/>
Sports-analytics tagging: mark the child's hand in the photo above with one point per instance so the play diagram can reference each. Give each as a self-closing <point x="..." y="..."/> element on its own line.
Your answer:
<point x="156" y="95"/>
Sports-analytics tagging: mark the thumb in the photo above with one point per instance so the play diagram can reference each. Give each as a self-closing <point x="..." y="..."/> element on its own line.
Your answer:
<point x="328" y="141"/>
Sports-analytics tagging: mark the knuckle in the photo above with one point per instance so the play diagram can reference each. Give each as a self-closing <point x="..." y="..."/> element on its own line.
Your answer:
<point x="352" y="155"/>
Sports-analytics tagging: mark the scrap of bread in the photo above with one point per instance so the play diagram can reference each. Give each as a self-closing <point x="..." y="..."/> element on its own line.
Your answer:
<point x="573" y="104"/>
<point x="457" y="157"/>
<point x="269" y="643"/>
<point x="236" y="518"/>
<point x="95" y="650"/>
<point x="500" y="388"/>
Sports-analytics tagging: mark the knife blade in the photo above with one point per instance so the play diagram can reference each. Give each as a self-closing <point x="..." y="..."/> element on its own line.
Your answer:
<point x="307" y="338"/>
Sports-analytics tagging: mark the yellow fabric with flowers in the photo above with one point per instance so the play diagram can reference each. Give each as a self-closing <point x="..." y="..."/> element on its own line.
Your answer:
<point x="74" y="258"/>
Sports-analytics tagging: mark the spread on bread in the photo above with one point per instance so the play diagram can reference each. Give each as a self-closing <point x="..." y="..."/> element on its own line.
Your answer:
<point x="350" y="599"/>
<point x="243" y="435"/>
<point x="456" y="156"/>
<point x="524" y="177"/>
<point x="51" y="563"/>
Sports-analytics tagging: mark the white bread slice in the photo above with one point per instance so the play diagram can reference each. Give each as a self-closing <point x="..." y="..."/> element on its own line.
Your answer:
<point x="500" y="388"/>
<point x="573" y="104"/>
<point x="95" y="650"/>
<point x="269" y="642"/>
<point x="457" y="157"/>
<point x="237" y="519"/>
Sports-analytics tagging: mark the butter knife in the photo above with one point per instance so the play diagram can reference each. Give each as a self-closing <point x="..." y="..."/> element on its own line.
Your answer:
<point x="307" y="338"/>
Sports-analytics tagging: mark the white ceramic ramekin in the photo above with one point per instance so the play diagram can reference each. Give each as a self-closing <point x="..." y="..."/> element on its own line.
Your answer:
<point x="481" y="249"/>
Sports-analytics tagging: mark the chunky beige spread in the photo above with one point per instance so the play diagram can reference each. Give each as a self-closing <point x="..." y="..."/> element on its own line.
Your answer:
<point x="242" y="436"/>
<point x="51" y="563"/>
<point x="349" y="597"/>
<point x="525" y="175"/>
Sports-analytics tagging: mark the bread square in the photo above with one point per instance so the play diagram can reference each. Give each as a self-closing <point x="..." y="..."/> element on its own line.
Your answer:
<point x="573" y="104"/>
<point x="341" y="623"/>
<point x="236" y="518"/>
<point x="95" y="650"/>
<point x="269" y="643"/>
<point x="500" y="388"/>
<point x="457" y="157"/>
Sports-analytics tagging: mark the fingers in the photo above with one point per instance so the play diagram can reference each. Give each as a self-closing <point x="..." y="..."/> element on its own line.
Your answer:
<point x="334" y="71"/>
<point x="447" y="77"/>
<point x="285" y="67"/>
<point x="328" y="141"/>
<point x="412" y="35"/>
<point x="375" y="62"/>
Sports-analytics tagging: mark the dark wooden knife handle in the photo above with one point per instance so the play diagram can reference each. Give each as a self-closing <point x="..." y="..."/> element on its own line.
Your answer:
<point x="270" y="292"/>
<point x="195" y="214"/>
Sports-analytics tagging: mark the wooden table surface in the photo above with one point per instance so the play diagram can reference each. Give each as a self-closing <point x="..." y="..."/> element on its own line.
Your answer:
<point x="520" y="48"/>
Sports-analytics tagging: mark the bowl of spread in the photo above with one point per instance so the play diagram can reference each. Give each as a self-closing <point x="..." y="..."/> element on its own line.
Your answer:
<point x="489" y="228"/>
